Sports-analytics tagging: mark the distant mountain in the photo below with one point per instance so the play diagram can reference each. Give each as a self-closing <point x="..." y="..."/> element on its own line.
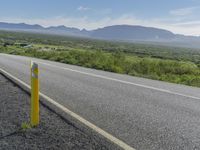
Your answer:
<point x="128" y="33"/>
<point x="19" y="26"/>
<point x="63" y="29"/>
<point x="37" y="28"/>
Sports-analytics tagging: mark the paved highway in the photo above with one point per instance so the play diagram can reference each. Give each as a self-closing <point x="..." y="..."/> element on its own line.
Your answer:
<point x="145" y="114"/>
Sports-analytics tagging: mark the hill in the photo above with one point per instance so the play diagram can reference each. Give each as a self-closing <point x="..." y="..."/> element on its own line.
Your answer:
<point x="128" y="33"/>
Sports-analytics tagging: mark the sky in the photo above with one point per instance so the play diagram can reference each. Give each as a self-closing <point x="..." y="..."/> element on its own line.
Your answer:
<point x="178" y="16"/>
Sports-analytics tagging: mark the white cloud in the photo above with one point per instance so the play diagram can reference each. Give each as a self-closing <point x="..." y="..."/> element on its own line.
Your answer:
<point x="176" y="26"/>
<point x="183" y="11"/>
<point x="82" y="8"/>
<point x="188" y="23"/>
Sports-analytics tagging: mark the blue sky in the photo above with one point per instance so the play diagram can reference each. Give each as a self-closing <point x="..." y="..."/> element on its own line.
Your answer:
<point x="179" y="16"/>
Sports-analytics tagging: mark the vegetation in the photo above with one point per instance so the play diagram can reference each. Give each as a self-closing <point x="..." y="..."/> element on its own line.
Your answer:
<point x="25" y="126"/>
<point x="178" y="65"/>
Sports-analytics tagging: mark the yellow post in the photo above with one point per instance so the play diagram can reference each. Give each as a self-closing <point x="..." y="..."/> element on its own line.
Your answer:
<point x="34" y="94"/>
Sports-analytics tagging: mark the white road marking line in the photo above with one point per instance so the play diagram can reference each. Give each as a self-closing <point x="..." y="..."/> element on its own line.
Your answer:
<point x="117" y="80"/>
<point x="121" y="81"/>
<point x="105" y="134"/>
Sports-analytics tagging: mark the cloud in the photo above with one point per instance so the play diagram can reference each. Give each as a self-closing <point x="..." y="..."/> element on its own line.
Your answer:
<point x="188" y="24"/>
<point x="183" y="11"/>
<point x="174" y="25"/>
<point x="82" y="8"/>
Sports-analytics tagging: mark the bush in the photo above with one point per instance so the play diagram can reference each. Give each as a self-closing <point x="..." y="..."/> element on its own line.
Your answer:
<point x="166" y="70"/>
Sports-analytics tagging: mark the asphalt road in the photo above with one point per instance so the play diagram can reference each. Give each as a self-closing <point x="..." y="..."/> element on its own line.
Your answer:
<point x="53" y="132"/>
<point x="146" y="114"/>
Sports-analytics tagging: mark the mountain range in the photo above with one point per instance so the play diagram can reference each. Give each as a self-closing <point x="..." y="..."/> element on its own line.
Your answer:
<point x="129" y="33"/>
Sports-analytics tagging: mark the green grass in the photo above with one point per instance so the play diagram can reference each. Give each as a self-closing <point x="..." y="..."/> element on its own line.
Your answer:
<point x="155" y="62"/>
<point x="25" y="126"/>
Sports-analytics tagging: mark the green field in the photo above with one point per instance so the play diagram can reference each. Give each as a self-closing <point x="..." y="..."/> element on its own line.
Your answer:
<point x="172" y="64"/>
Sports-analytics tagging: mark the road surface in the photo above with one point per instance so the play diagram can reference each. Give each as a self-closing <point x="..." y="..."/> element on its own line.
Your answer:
<point x="145" y="114"/>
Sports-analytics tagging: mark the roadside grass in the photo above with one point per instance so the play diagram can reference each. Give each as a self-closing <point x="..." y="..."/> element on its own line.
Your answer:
<point x="181" y="72"/>
<point x="172" y="64"/>
<point x="25" y="126"/>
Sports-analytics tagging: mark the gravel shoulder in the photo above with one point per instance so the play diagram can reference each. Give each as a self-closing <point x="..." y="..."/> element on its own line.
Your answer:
<point x="54" y="131"/>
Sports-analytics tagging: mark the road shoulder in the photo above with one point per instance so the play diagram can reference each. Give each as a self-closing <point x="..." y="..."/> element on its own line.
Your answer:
<point x="54" y="131"/>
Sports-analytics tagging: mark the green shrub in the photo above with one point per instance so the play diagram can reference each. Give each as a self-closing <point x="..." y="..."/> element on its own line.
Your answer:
<point x="183" y="72"/>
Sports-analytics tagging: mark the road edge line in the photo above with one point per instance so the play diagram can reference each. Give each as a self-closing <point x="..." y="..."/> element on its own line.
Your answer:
<point x="122" y="81"/>
<point x="90" y="125"/>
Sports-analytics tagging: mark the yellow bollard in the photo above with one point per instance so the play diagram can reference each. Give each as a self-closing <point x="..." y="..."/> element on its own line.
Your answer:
<point x="34" y="94"/>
